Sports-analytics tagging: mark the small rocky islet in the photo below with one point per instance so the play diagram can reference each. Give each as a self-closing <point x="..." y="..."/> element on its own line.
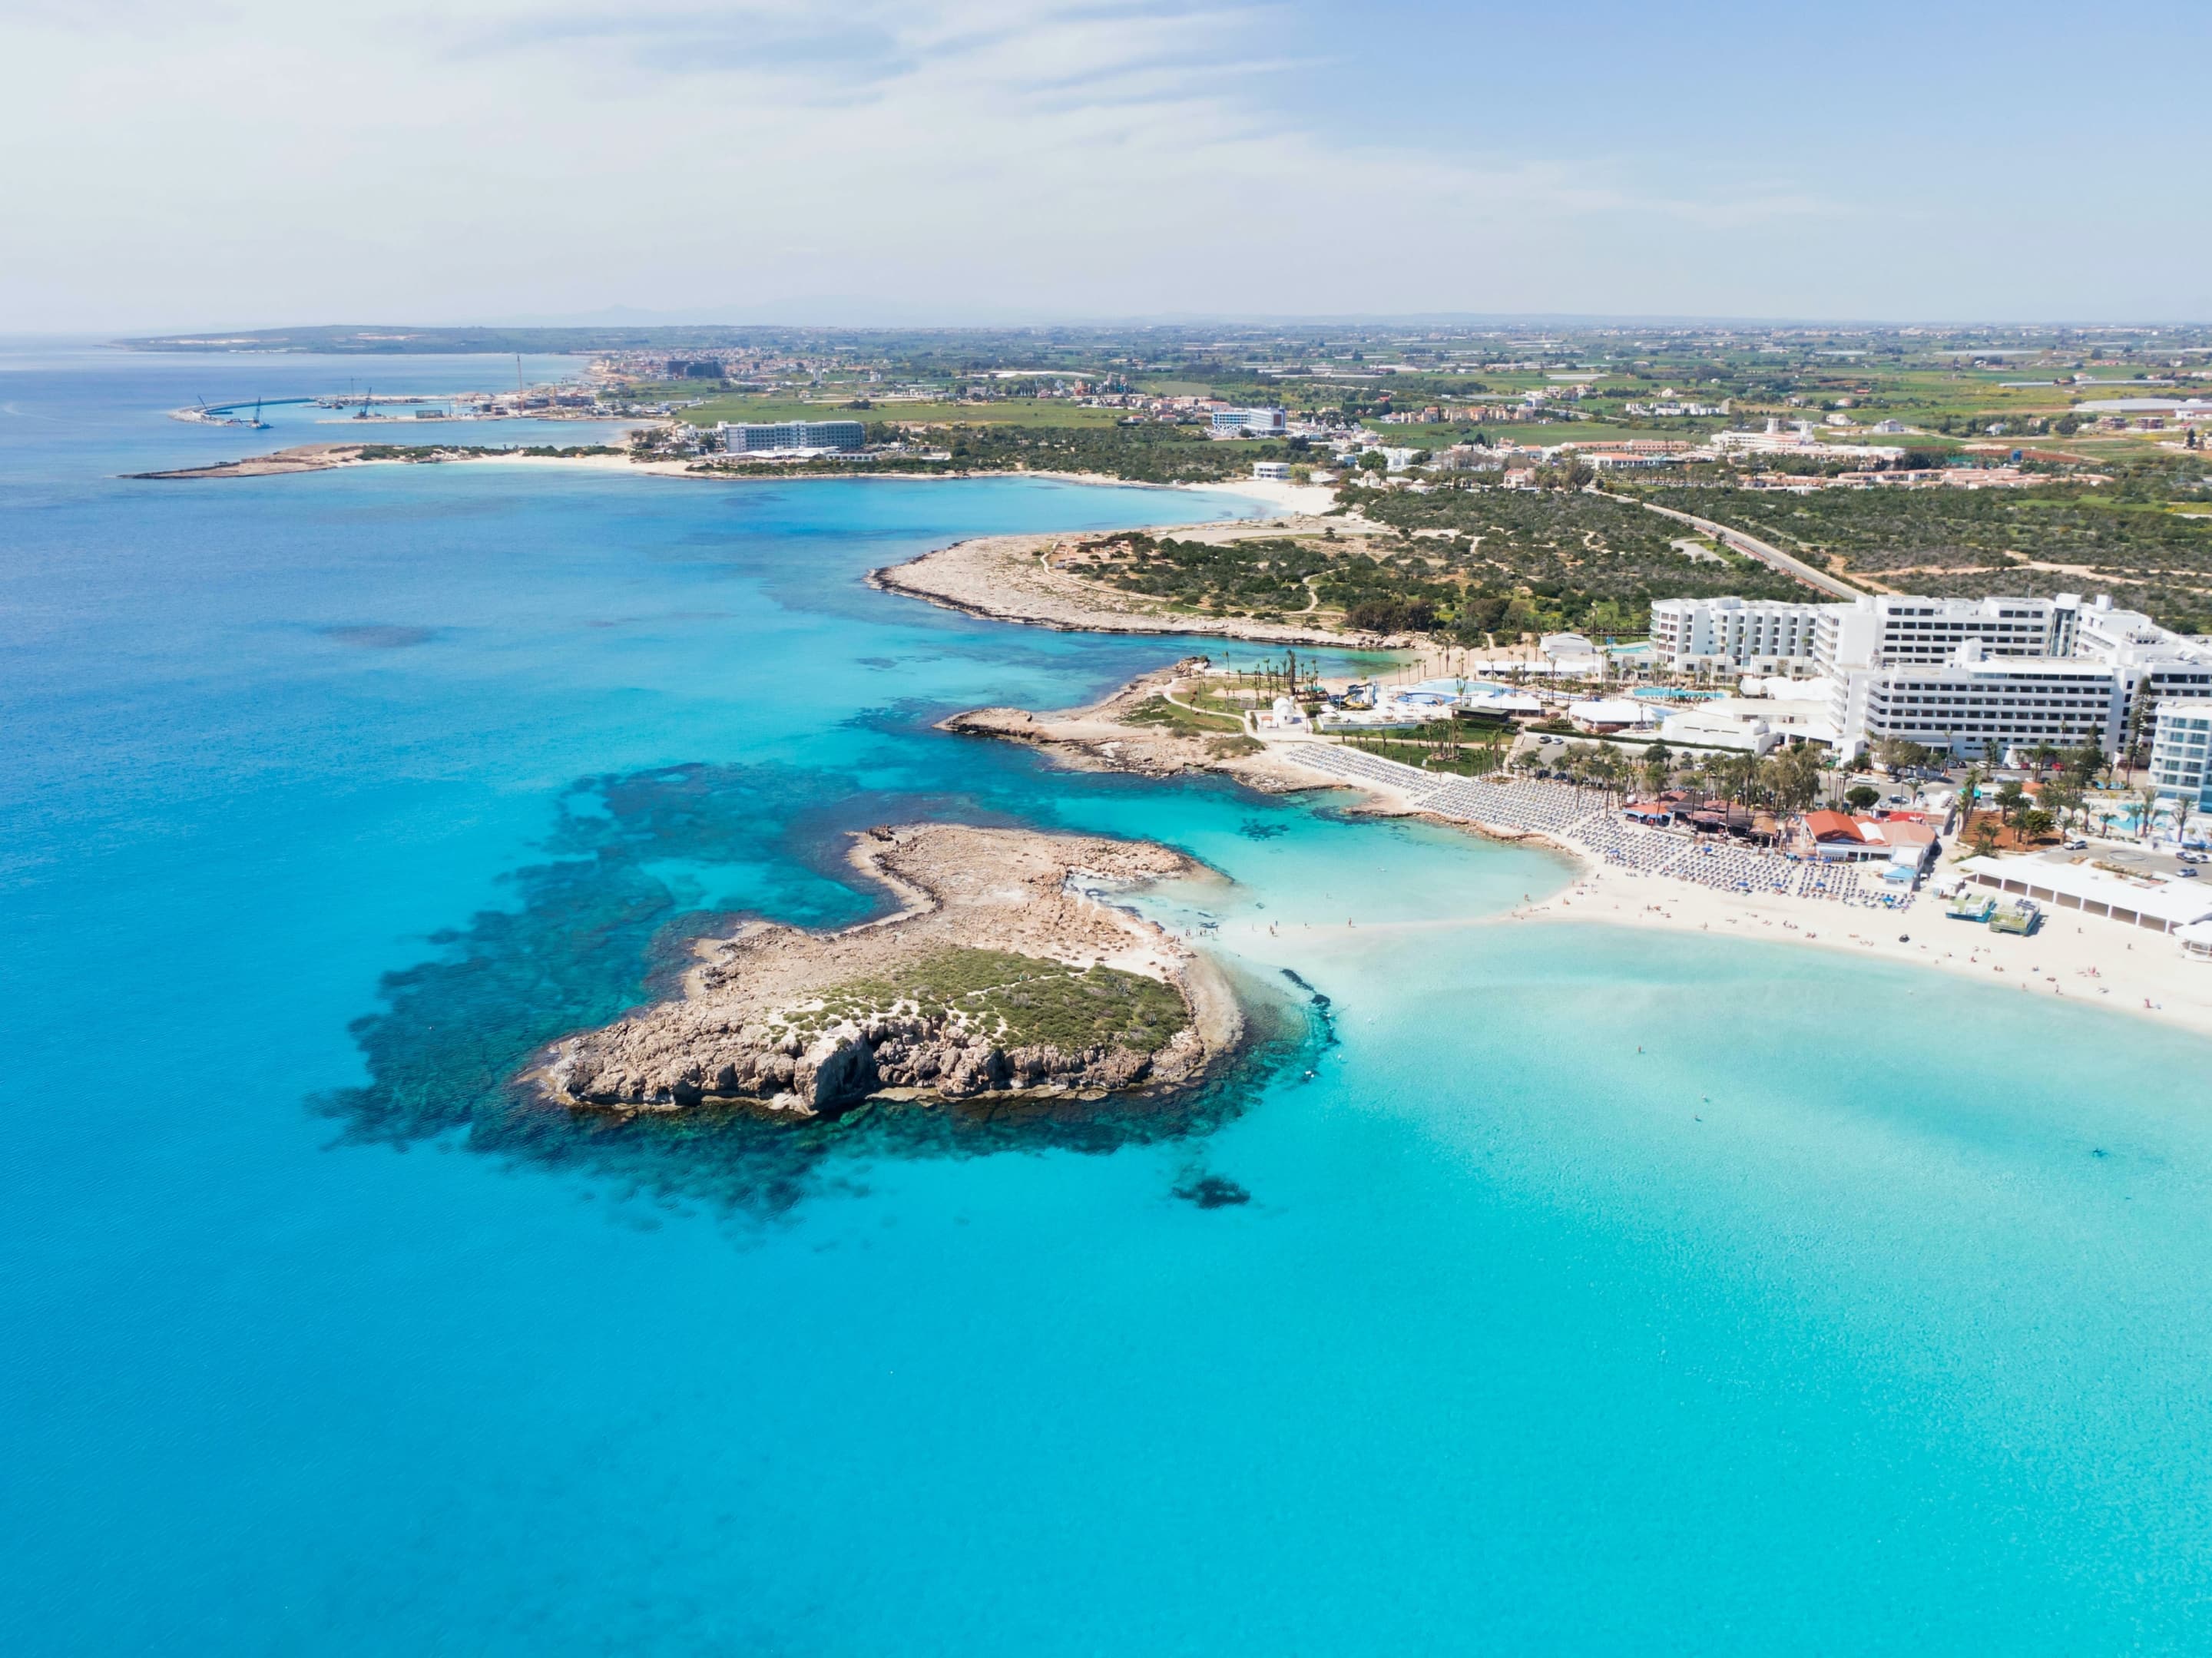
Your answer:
<point x="1006" y="972"/>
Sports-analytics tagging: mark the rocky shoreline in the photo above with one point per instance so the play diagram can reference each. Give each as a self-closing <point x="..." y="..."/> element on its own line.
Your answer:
<point x="1013" y="578"/>
<point x="281" y="463"/>
<point x="1104" y="737"/>
<point x="1006" y="972"/>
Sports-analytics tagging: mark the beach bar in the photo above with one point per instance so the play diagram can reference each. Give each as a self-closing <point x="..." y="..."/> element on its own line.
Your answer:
<point x="2161" y="906"/>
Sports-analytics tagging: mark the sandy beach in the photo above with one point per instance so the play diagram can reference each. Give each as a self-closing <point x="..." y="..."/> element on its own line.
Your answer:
<point x="1289" y="498"/>
<point x="2071" y="957"/>
<point x="2106" y="963"/>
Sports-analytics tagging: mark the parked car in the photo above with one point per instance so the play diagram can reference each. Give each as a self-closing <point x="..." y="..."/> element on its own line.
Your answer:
<point x="2187" y="871"/>
<point x="2077" y="846"/>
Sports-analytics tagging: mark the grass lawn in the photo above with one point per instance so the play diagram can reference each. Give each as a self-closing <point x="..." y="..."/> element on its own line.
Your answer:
<point x="1158" y="711"/>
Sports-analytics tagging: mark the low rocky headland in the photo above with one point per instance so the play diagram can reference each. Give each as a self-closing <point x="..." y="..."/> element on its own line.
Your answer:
<point x="1044" y="582"/>
<point x="280" y="463"/>
<point x="1006" y="972"/>
<point x="1143" y="728"/>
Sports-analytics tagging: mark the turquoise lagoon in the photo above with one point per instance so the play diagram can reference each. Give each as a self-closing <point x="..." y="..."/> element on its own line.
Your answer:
<point x="1598" y="1292"/>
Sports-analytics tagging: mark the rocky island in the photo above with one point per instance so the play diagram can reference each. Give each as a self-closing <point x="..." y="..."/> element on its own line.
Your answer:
<point x="1006" y="972"/>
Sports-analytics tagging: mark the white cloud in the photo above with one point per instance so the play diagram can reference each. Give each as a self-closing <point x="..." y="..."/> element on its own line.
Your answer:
<point x="256" y="161"/>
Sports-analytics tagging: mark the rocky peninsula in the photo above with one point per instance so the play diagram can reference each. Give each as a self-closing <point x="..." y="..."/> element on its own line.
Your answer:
<point x="1048" y="581"/>
<point x="1146" y="728"/>
<point x="1007" y="971"/>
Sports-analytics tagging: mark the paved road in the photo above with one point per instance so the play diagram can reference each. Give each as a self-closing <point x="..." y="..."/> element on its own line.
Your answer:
<point x="1752" y="547"/>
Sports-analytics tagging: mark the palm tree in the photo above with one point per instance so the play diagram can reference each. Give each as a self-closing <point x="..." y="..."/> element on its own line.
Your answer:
<point x="1608" y="765"/>
<point x="1970" y="791"/>
<point x="2144" y="798"/>
<point x="1736" y="772"/>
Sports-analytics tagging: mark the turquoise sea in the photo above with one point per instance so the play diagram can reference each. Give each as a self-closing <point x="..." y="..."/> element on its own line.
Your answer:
<point x="1597" y="1292"/>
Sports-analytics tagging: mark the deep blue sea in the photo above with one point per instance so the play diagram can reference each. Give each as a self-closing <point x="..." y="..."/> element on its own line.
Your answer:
<point x="1598" y="1292"/>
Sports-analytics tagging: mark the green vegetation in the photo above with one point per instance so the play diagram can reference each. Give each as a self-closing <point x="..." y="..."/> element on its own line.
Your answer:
<point x="433" y="452"/>
<point x="1151" y="453"/>
<point x="1020" y="1001"/>
<point x="1466" y="561"/>
<point x="1440" y="747"/>
<point x="1183" y="721"/>
<point x="1117" y="401"/>
<point x="1533" y="560"/>
<point x="2119" y="539"/>
<point x="1006" y="411"/>
<point x="1266" y="578"/>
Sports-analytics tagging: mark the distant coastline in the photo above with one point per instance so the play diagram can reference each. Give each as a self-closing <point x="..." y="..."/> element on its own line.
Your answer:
<point x="331" y="456"/>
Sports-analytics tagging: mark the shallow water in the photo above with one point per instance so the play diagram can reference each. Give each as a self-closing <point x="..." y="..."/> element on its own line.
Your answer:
<point x="1860" y="1310"/>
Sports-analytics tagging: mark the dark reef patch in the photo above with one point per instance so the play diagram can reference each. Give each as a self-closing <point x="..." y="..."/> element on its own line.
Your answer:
<point x="598" y="927"/>
<point x="380" y="636"/>
<point x="1212" y="1192"/>
<point x="1319" y="1006"/>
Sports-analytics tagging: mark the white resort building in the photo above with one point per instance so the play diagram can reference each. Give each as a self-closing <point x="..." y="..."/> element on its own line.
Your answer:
<point x="1978" y="676"/>
<point x="1764" y="635"/>
<point x="1249" y="422"/>
<point x="2181" y="738"/>
<point x="791" y="437"/>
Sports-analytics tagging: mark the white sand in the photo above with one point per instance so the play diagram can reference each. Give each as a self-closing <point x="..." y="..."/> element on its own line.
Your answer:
<point x="2071" y="956"/>
<point x="1289" y="498"/>
<point x="2076" y="958"/>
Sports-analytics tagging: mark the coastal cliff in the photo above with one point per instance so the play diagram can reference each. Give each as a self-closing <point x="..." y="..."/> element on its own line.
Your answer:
<point x="1004" y="972"/>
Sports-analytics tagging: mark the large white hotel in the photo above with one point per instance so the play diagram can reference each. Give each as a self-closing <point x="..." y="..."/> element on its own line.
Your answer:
<point x="1973" y="676"/>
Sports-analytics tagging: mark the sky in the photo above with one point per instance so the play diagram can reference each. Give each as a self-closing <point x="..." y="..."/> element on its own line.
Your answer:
<point x="240" y="163"/>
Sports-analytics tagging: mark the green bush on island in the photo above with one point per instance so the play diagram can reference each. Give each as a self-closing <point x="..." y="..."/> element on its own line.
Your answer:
<point x="1018" y="1001"/>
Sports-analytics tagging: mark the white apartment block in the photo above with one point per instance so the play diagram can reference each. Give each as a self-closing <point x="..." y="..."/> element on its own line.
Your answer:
<point x="1755" y="635"/>
<point x="1884" y="629"/>
<point x="2181" y="751"/>
<point x="1249" y="422"/>
<point x="1980" y="704"/>
<point x="1972" y="675"/>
